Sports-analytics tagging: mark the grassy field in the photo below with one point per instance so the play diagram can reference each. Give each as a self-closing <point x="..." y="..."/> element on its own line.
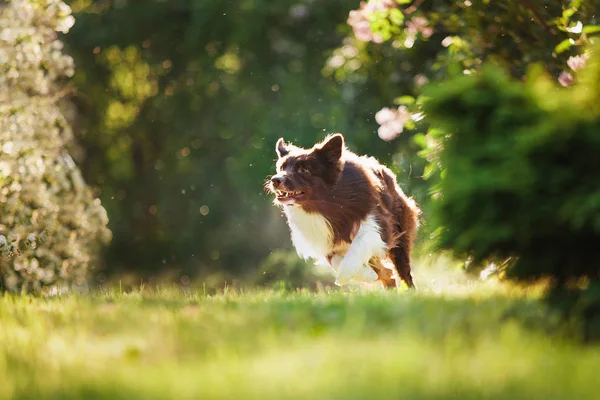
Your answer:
<point x="461" y="342"/>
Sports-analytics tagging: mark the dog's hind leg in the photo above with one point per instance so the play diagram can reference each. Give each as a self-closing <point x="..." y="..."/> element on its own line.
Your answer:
<point x="400" y="256"/>
<point x="405" y="232"/>
<point x="385" y="275"/>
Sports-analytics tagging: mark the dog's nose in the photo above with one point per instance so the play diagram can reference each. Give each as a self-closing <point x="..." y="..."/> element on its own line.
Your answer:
<point x="276" y="180"/>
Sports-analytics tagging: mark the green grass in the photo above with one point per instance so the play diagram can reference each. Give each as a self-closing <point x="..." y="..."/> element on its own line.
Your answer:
<point x="466" y="342"/>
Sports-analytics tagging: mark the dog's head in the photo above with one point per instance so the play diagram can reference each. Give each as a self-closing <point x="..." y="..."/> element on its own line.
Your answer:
<point x="305" y="175"/>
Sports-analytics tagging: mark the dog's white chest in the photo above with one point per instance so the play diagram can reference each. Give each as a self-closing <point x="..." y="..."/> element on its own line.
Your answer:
<point x="311" y="233"/>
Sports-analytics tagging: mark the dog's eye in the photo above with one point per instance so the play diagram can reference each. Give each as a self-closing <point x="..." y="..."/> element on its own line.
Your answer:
<point x="302" y="169"/>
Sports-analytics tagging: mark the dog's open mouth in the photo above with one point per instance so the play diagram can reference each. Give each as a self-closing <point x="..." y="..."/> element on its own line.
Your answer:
<point x="284" y="195"/>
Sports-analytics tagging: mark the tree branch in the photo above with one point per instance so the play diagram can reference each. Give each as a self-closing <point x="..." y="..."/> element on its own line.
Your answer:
<point x="413" y="7"/>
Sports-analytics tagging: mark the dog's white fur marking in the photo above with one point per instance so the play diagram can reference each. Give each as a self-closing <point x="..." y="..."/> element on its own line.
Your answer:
<point x="313" y="238"/>
<point x="311" y="234"/>
<point x="366" y="244"/>
<point x="364" y="274"/>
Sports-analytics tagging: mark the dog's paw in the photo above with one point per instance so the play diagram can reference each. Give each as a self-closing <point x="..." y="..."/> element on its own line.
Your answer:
<point x="346" y="272"/>
<point x="366" y="275"/>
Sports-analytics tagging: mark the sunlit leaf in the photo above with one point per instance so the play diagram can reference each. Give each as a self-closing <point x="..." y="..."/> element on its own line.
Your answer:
<point x="564" y="45"/>
<point x="420" y="140"/>
<point x="405" y="100"/>
<point x="429" y="171"/>
<point x="396" y="16"/>
<point x="591" y="29"/>
<point x="569" y="12"/>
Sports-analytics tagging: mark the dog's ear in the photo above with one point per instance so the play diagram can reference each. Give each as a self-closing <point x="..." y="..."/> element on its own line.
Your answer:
<point x="281" y="148"/>
<point x="332" y="147"/>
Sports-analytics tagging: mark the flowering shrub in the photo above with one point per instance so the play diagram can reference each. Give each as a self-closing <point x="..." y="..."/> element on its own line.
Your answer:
<point x="520" y="172"/>
<point x="466" y="33"/>
<point x="50" y="224"/>
<point x="511" y="165"/>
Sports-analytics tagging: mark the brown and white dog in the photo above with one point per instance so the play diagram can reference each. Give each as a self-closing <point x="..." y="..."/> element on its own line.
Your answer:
<point x="346" y="211"/>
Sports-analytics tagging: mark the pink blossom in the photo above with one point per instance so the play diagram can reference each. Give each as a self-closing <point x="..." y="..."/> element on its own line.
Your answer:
<point x="577" y="62"/>
<point x="566" y="79"/>
<point x="385" y="115"/>
<point x="377" y="38"/>
<point x="403" y="114"/>
<point x="387" y="133"/>
<point x="420" y="80"/>
<point x="419" y="25"/>
<point x="392" y="122"/>
<point x="360" y="25"/>
<point x="396" y="125"/>
<point x="336" y="61"/>
<point x="358" y="19"/>
<point x="373" y="6"/>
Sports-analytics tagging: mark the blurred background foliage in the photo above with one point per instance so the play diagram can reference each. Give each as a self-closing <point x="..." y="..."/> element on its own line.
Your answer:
<point x="508" y="172"/>
<point x="511" y="115"/>
<point x="176" y="105"/>
<point x="179" y="105"/>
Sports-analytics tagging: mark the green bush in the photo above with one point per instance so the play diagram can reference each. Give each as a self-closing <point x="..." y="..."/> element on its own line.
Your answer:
<point x="520" y="172"/>
<point x="50" y="224"/>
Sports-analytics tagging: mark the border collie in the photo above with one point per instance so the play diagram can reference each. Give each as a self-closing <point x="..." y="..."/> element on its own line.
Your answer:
<point x="346" y="211"/>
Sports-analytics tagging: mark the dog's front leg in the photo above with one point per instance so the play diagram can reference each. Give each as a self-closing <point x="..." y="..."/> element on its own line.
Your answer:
<point x="365" y="273"/>
<point x="366" y="244"/>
